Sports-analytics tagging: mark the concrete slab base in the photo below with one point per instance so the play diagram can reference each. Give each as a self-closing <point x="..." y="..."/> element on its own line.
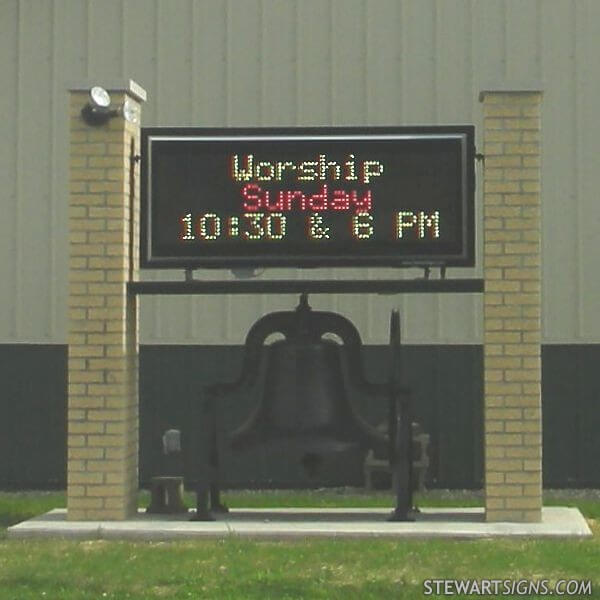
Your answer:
<point x="289" y="523"/>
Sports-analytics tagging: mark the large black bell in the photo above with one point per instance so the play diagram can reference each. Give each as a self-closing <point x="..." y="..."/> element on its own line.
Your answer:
<point x="304" y="399"/>
<point x="304" y="386"/>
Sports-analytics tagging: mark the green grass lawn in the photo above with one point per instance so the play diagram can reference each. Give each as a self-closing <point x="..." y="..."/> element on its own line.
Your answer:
<point x="237" y="568"/>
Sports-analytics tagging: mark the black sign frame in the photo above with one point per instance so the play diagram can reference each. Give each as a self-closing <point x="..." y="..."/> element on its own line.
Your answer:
<point x="152" y="137"/>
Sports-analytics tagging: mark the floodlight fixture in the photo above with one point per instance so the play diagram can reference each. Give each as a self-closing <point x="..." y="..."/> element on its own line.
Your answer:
<point x="98" y="110"/>
<point x="99" y="97"/>
<point x="130" y="111"/>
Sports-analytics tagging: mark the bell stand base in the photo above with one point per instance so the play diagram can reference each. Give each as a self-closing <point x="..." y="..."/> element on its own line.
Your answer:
<point x="400" y="515"/>
<point x="203" y="512"/>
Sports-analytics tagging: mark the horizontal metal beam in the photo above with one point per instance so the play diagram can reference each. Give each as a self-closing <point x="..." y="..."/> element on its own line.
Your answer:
<point x="310" y="286"/>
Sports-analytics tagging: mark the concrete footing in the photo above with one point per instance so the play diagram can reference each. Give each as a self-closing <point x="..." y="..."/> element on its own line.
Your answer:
<point x="468" y="523"/>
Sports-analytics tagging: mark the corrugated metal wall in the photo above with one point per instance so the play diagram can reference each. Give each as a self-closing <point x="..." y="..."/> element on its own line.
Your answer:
<point x="303" y="62"/>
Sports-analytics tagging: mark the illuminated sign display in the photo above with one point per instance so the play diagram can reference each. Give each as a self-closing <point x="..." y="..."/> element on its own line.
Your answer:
<point x="308" y="197"/>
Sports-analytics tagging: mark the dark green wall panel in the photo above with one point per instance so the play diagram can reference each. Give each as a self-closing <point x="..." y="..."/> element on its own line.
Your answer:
<point x="33" y="408"/>
<point x="447" y="384"/>
<point x="571" y="415"/>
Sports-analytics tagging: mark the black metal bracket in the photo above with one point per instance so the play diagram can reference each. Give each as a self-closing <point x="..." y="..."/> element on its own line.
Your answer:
<point x="309" y="286"/>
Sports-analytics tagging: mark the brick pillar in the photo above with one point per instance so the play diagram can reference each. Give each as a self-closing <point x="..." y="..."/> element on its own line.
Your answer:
<point x="102" y="470"/>
<point x="512" y="363"/>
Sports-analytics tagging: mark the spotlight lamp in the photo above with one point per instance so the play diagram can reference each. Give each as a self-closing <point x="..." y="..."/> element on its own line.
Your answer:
<point x="98" y="110"/>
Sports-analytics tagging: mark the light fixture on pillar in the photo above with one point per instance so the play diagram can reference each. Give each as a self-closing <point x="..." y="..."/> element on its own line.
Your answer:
<point x="130" y="111"/>
<point x="98" y="110"/>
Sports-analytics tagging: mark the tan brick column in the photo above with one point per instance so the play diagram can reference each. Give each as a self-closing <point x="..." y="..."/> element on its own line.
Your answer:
<point x="102" y="471"/>
<point x="512" y="367"/>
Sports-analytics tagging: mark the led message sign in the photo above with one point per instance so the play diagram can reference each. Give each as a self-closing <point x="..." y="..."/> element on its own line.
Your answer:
<point x="308" y="197"/>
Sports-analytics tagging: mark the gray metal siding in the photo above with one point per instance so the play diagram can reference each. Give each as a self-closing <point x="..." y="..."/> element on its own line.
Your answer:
<point x="286" y="62"/>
